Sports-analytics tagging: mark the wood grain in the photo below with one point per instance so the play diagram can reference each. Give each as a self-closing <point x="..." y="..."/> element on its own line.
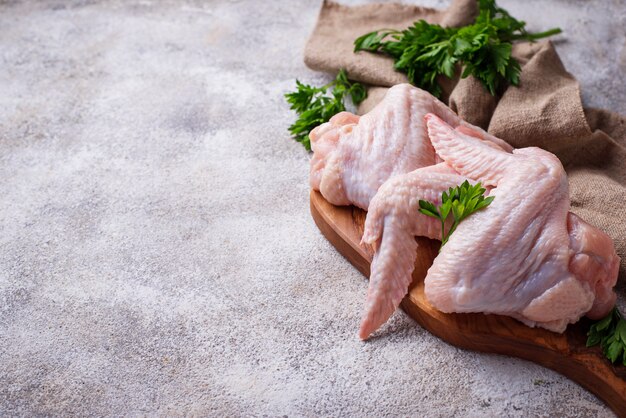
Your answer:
<point x="565" y="353"/>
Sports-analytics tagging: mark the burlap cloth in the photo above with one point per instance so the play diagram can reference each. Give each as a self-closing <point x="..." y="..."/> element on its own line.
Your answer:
<point x="544" y="111"/>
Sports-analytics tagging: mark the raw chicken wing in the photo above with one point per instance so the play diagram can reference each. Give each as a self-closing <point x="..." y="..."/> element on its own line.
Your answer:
<point x="524" y="255"/>
<point x="394" y="221"/>
<point x="353" y="156"/>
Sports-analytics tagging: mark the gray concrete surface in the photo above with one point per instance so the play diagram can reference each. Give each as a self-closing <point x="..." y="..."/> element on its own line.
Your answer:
<point x="157" y="256"/>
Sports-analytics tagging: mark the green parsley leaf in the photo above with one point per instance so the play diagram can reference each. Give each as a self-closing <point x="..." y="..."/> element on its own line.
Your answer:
<point x="610" y="333"/>
<point x="428" y="209"/>
<point x="461" y="201"/>
<point x="425" y="51"/>
<point x="314" y="105"/>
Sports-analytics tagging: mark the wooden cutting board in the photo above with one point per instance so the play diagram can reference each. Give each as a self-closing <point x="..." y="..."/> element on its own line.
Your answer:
<point x="566" y="353"/>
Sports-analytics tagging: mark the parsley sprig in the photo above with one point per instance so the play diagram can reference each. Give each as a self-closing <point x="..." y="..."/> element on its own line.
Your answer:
<point x="424" y="50"/>
<point x="315" y="106"/>
<point x="610" y="333"/>
<point x="460" y="202"/>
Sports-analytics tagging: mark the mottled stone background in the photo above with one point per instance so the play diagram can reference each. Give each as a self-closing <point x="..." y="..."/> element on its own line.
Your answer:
<point x="157" y="256"/>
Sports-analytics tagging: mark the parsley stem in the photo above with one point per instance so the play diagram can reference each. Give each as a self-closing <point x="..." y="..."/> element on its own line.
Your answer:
<point x="534" y="36"/>
<point x="452" y="229"/>
<point x="443" y="233"/>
